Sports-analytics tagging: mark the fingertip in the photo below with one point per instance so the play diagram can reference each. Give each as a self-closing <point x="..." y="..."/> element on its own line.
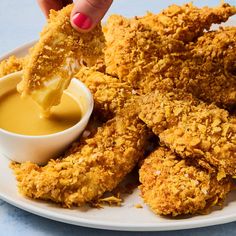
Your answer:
<point x="81" y="22"/>
<point x="86" y="14"/>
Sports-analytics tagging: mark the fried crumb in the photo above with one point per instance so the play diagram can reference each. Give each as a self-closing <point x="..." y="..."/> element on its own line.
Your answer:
<point x="138" y="206"/>
<point x="108" y="201"/>
<point x="111" y="201"/>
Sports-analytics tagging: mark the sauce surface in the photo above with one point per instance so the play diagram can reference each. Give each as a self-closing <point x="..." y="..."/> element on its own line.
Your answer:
<point x="22" y="115"/>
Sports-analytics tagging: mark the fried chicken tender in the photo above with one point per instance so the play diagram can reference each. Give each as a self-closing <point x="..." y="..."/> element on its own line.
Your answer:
<point x="161" y="111"/>
<point x="211" y="72"/>
<point x="132" y="50"/>
<point x="151" y="60"/>
<point x="110" y="95"/>
<point x="10" y="65"/>
<point x="187" y="22"/>
<point x="57" y="57"/>
<point x="206" y="69"/>
<point x="172" y="186"/>
<point x="204" y="133"/>
<point x="98" y="165"/>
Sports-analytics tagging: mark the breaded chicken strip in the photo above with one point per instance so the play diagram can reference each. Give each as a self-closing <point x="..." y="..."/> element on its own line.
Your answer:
<point x="57" y="57"/>
<point x="204" y="133"/>
<point x="139" y="55"/>
<point x="206" y="69"/>
<point x="160" y="110"/>
<point x="98" y="165"/>
<point x="187" y="22"/>
<point x="210" y="73"/>
<point x="10" y="65"/>
<point x="208" y="134"/>
<point x="133" y="49"/>
<point x="110" y="95"/>
<point x="171" y="186"/>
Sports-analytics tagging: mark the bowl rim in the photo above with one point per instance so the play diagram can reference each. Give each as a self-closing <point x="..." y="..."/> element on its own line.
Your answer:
<point x="84" y="119"/>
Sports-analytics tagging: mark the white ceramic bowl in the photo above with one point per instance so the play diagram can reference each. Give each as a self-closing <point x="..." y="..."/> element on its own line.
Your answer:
<point x="39" y="149"/>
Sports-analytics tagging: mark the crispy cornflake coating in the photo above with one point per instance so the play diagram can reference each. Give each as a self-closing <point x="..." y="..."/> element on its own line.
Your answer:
<point x="171" y="186"/>
<point x="150" y="60"/>
<point x="208" y="134"/>
<point x="162" y="52"/>
<point x="206" y="69"/>
<point x="110" y="95"/>
<point x="132" y="50"/>
<point x="201" y="132"/>
<point x="57" y="57"/>
<point x="187" y="22"/>
<point x="211" y="72"/>
<point x="161" y="111"/>
<point x="10" y="65"/>
<point x="97" y="167"/>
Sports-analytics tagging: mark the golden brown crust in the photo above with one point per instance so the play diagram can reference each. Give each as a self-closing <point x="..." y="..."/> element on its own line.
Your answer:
<point x="132" y="50"/>
<point x="210" y="73"/>
<point x="149" y="60"/>
<point x="171" y="186"/>
<point x="193" y="129"/>
<point x="206" y="69"/>
<point x="187" y="22"/>
<point x="10" y="65"/>
<point x="208" y="134"/>
<point x="58" y="55"/>
<point x="110" y="95"/>
<point x="96" y="167"/>
<point x="160" y="110"/>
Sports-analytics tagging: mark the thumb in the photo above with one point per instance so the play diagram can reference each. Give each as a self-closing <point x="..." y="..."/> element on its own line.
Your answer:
<point x="87" y="13"/>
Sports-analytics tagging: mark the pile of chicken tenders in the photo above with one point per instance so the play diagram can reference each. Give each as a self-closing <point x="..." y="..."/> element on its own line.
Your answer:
<point x="165" y="75"/>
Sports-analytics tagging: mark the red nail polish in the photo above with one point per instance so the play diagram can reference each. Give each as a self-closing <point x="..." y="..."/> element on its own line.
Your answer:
<point x="82" y="21"/>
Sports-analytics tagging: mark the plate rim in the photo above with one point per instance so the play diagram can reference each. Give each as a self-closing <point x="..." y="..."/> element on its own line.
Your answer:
<point x="96" y="224"/>
<point x="72" y="220"/>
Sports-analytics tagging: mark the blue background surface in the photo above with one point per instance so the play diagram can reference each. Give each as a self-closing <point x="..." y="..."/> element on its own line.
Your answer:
<point x="21" y="22"/>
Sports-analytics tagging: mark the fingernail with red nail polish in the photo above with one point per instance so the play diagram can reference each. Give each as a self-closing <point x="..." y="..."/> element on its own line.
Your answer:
<point x="82" y="21"/>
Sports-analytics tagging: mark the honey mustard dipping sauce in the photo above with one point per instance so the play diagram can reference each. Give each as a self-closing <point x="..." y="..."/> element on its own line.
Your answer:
<point x="22" y="115"/>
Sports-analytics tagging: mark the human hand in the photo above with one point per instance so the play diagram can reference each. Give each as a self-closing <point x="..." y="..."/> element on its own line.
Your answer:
<point x="85" y="15"/>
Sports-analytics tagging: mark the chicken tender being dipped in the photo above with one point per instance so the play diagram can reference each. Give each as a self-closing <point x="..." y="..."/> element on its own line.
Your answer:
<point x="57" y="57"/>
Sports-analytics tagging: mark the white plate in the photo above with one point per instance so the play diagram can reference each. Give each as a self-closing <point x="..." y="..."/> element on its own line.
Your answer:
<point x="126" y="217"/>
